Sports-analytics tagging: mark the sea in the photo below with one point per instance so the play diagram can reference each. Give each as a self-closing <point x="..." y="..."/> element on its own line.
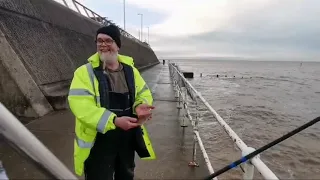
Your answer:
<point x="261" y="101"/>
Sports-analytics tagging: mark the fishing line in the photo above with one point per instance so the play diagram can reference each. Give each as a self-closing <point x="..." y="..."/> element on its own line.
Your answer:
<point x="265" y="147"/>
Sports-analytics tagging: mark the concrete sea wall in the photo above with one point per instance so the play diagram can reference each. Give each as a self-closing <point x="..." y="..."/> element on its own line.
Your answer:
<point x="41" y="44"/>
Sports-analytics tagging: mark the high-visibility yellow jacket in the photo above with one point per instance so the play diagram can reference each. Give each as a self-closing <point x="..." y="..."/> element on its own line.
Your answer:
<point x="84" y="102"/>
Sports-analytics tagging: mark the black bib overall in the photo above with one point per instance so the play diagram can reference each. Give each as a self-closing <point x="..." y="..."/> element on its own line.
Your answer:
<point x="113" y="152"/>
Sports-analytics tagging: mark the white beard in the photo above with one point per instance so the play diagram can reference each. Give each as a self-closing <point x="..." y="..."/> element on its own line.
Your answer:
<point x="107" y="57"/>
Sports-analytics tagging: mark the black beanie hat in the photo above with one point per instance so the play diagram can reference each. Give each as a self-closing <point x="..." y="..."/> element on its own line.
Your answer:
<point x="113" y="32"/>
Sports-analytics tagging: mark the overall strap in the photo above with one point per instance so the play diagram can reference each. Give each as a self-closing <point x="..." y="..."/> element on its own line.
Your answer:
<point x="129" y="74"/>
<point x="103" y="87"/>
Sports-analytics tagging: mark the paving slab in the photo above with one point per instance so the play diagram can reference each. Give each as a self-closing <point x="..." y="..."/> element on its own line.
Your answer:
<point x="172" y="143"/>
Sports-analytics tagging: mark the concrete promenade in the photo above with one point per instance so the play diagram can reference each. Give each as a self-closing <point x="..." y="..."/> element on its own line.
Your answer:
<point x="172" y="143"/>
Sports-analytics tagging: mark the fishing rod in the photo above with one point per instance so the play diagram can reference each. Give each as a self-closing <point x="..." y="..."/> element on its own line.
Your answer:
<point x="263" y="148"/>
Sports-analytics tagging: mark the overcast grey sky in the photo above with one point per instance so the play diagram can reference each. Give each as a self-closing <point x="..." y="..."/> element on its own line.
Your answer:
<point x="259" y="29"/>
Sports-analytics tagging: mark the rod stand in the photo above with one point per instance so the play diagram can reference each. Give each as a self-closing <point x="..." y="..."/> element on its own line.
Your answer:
<point x="193" y="164"/>
<point x="184" y="120"/>
<point x="248" y="167"/>
<point x="247" y="151"/>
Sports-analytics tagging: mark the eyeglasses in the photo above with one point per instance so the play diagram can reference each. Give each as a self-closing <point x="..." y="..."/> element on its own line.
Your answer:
<point x="107" y="41"/>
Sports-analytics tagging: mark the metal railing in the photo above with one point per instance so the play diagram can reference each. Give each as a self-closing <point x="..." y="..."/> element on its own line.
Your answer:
<point x="21" y="139"/>
<point x="183" y="90"/>
<point x="102" y="20"/>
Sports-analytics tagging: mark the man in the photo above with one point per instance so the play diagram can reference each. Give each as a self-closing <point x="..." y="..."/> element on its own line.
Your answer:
<point x="106" y="96"/>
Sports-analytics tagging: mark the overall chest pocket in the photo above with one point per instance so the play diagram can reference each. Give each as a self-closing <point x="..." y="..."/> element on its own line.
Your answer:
<point x="119" y="100"/>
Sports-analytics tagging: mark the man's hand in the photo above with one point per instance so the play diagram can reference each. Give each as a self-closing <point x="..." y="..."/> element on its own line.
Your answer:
<point x="144" y="111"/>
<point x="126" y="122"/>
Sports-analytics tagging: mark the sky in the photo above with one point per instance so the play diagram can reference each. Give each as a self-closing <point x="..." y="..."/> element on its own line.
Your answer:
<point x="234" y="29"/>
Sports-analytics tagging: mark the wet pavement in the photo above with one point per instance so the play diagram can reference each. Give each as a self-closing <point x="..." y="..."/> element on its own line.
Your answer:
<point x="172" y="143"/>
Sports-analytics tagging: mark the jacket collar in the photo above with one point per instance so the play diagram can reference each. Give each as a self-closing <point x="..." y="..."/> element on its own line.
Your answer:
<point x="95" y="60"/>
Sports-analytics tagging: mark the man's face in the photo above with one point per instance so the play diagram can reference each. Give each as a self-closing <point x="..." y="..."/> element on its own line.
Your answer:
<point x="107" y="48"/>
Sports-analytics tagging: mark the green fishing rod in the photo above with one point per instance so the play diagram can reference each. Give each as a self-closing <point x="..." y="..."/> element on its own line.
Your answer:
<point x="263" y="148"/>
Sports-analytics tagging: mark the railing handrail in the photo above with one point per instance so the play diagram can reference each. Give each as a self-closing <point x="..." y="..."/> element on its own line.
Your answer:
<point x="21" y="138"/>
<point x="195" y="131"/>
<point x="187" y="114"/>
<point x="256" y="161"/>
<point x="106" y="21"/>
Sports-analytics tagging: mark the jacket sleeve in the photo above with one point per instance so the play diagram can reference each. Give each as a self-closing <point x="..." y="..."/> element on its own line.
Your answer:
<point x="82" y="102"/>
<point x="143" y="93"/>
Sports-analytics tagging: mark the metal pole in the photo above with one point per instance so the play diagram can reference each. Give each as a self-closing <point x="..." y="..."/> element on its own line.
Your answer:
<point x="23" y="139"/>
<point x="194" y="158"/>
<point x="141" y="27"/>
<point x="124" y="14"/>
<point x="65" y="3"/>
<point x="248" y="171"/>
<point x="179" y="97"/>
<point x="185" y="110"/>
<point x="76" y="6"/>
<point x="141" y="39"/>
<point x="148" y="36"/>
<point x="85" y="10"/>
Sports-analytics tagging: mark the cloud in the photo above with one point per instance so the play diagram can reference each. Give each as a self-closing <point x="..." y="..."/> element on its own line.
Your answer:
<point x="247" y="28"/>
<point x="286" y="29"/>
<point x="188" y="17"/>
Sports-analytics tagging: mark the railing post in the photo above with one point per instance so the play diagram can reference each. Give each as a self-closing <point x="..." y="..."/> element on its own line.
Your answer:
<point x="174" y="83"/>
<point x="184" y="120"/>
<point x="248" y="166"/>
<point x="85" y="10"/>
<point x="176" y="95"/>
<point x="174" y="80"/>
<point x="65" y="3"/>
<point x="76" y="6"/>
<point x="197" y="113"/>
<point x="179" y="98"/>
<point x="194" y="163"/>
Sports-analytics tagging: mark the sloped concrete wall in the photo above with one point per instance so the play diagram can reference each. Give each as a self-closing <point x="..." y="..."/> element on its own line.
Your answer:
<point x="13" y="98"/>
<point x="51" y="41"/>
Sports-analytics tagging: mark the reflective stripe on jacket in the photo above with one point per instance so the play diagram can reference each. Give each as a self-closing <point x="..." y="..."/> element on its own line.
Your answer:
<point x="84" y="102"/>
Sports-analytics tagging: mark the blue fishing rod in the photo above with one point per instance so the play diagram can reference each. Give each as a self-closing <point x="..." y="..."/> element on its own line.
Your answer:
<point x="263" y="148"/>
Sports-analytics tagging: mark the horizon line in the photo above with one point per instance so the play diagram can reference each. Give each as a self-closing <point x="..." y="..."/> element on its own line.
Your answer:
<point x="239" y="59"/>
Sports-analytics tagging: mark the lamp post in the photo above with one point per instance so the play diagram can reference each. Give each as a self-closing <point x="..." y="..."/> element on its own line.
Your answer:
<point x="139" y="14"/>
<point x="124" y="14"/>
<point x="148" y="36"/>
